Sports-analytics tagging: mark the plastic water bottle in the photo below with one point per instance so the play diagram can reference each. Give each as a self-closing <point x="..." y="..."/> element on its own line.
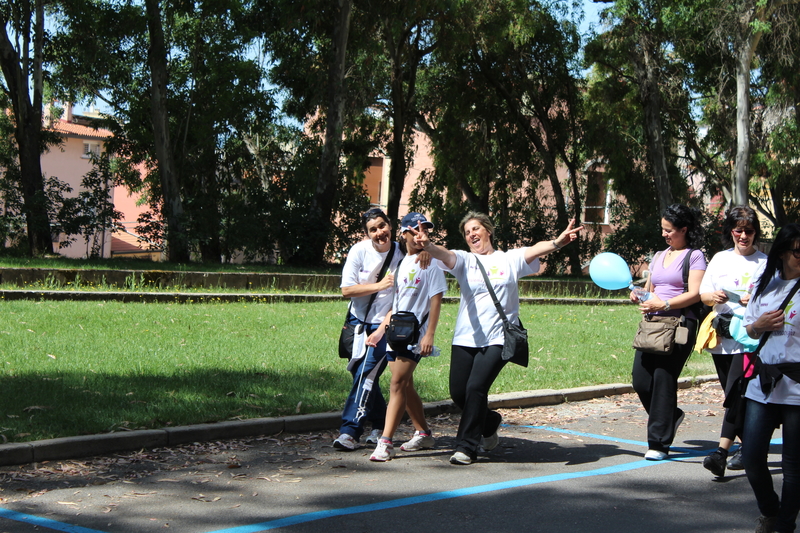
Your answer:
<point x="640" y="293"/>
<point x="435" y="352"/>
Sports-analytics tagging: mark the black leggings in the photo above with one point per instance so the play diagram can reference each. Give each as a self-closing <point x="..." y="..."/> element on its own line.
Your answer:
<point x="472" y="372"/>
<point x="729" y="369"/>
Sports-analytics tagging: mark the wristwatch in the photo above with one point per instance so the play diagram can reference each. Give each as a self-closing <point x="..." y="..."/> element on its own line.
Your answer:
<point x="666" y="305"/>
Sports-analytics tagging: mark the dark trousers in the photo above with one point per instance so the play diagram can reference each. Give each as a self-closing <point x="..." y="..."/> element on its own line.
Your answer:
<point x="760" y="421"/>
<point x="729" y="369"/>
<point x="655" y="380"/>
<point x="472" y="372"/>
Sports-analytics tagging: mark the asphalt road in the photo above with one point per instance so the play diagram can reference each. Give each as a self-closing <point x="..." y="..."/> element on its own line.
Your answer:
<point x="565" y="468"/>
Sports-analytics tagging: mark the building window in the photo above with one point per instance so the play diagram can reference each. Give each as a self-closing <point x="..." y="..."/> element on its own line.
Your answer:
<point x="90" y="148"/>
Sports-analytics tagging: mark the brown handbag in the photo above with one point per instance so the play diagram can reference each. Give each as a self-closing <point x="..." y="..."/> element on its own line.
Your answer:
<point x="656" y="334"/>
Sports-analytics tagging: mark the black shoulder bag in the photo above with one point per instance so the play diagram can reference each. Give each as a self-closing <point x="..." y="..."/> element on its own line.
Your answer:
<point x="734" y="401"/>
<point x="515" y="346"/>
<point x="404" y="327"/>
<point x="349" y="330"/>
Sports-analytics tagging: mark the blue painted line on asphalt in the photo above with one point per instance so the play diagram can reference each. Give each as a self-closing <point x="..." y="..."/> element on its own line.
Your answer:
<point x="589" y="435"/>
<point x="427" y="498"/>
<point x="413" y="500"/>
<point x="45" y="522"/>
<point x="688" y="452"/>
<point x="468" y="491"/>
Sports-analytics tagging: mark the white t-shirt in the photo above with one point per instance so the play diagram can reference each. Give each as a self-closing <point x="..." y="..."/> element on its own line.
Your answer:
<point x="361" y="267"/>
<point x="478" y="323"/>
<point x="416" y="287"/>
<point x="735" y="273"/>
<point x="782" y="346"/>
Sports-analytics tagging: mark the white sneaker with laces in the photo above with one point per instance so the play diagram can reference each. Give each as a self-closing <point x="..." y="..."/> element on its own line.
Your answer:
<point x="460" y="458"/>
<point x="383" y="452"/>
<point x="655" y="455"/>
<point x="489" y="443"/>
<point x="374" y="436"/>
<point x="418" y="442"/>
<point x="345" y="442"/>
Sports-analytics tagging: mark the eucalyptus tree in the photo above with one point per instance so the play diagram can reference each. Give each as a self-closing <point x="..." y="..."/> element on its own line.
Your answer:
<point x="406" y="29"/>
<point x="775" y="154"/>
<point x="326" y="61"/>
<point x="180" y="80"/>
<point x="741" y="26"/>
<point x="633" y="49"/>
<point x="503" y="110"/>
<point x="22" y="58"/>
<point x="740" y="54"/>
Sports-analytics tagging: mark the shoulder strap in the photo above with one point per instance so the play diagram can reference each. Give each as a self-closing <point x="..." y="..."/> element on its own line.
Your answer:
<point x="381" y="274"/>
<point x="491" y="291"/>
<point x="765" y="335"/>
<point x="686" y="260"/>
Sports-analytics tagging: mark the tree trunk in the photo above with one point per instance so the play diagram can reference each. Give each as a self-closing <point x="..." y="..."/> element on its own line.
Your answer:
<point x="177" y="242"/>
<point x="27" y="130"/>
<point x="321" y="211"/>
<point x="397" y="149"/>
<point x="403" y="92"/>
<point x="741" y="171"/>
<point x="646" y="71"/>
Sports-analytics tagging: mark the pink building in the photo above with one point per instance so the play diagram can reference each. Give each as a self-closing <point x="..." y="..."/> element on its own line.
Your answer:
<point x="70" y="162"/>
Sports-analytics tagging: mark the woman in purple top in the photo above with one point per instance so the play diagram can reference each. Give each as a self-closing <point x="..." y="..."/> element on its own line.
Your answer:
<point x="655" y="377"/>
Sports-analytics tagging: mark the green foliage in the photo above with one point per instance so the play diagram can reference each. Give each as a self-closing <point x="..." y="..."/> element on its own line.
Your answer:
<point x="91" y="213"/>
<point x="636" y="238"/>
<point x="500" y="104"/>
<point x="12" y="225"/>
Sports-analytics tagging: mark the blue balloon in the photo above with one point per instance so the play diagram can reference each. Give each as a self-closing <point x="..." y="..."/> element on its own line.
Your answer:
<point x="610" y="271"/>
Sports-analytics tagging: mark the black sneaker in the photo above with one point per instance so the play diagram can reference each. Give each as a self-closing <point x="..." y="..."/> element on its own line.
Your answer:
<point x="735" y="462"/>
<point x="765" y="524"/>
<point x="715" y="463"/>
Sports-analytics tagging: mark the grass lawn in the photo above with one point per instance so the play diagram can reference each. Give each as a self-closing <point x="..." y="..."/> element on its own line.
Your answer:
<point x="72" y="368"/>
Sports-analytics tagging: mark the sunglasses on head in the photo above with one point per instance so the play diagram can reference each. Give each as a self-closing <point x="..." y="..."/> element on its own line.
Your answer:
<point x="746" y="231"/>
<point x="375" y="211"/>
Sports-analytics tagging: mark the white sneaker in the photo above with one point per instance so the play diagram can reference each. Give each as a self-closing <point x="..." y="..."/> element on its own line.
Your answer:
<point x="460" y="458"/>
<point x="418" y="442"/>
<point x="345" y="442"/>
<point x="655" y="455"/>
<point x="489" y="443"/>
<point x="383" y="452"/>
<point x="374" y="436"/>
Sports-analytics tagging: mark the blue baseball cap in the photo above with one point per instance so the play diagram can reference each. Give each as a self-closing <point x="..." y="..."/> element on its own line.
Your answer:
<point x="413" y="221"/>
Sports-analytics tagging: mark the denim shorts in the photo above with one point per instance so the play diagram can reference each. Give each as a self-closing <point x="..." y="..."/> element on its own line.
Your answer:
<point x="392" y="355"/>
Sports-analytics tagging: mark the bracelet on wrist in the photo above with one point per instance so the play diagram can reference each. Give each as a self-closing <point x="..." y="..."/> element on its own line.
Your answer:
<point x="556" y="244"/>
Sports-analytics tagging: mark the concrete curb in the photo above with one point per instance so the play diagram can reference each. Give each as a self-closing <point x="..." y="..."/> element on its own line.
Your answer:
<point x="89" y="445"/>
<point x="228" y="297"/>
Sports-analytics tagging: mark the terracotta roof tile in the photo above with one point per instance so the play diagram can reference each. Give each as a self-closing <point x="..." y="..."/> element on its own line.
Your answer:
<point x="79" y="130"/>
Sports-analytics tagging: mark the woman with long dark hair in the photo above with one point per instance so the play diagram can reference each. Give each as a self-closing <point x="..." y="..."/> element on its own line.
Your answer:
<point x="727" y="284"/>
<point x="655" y="376"/>
<point x="773" y="396"/>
